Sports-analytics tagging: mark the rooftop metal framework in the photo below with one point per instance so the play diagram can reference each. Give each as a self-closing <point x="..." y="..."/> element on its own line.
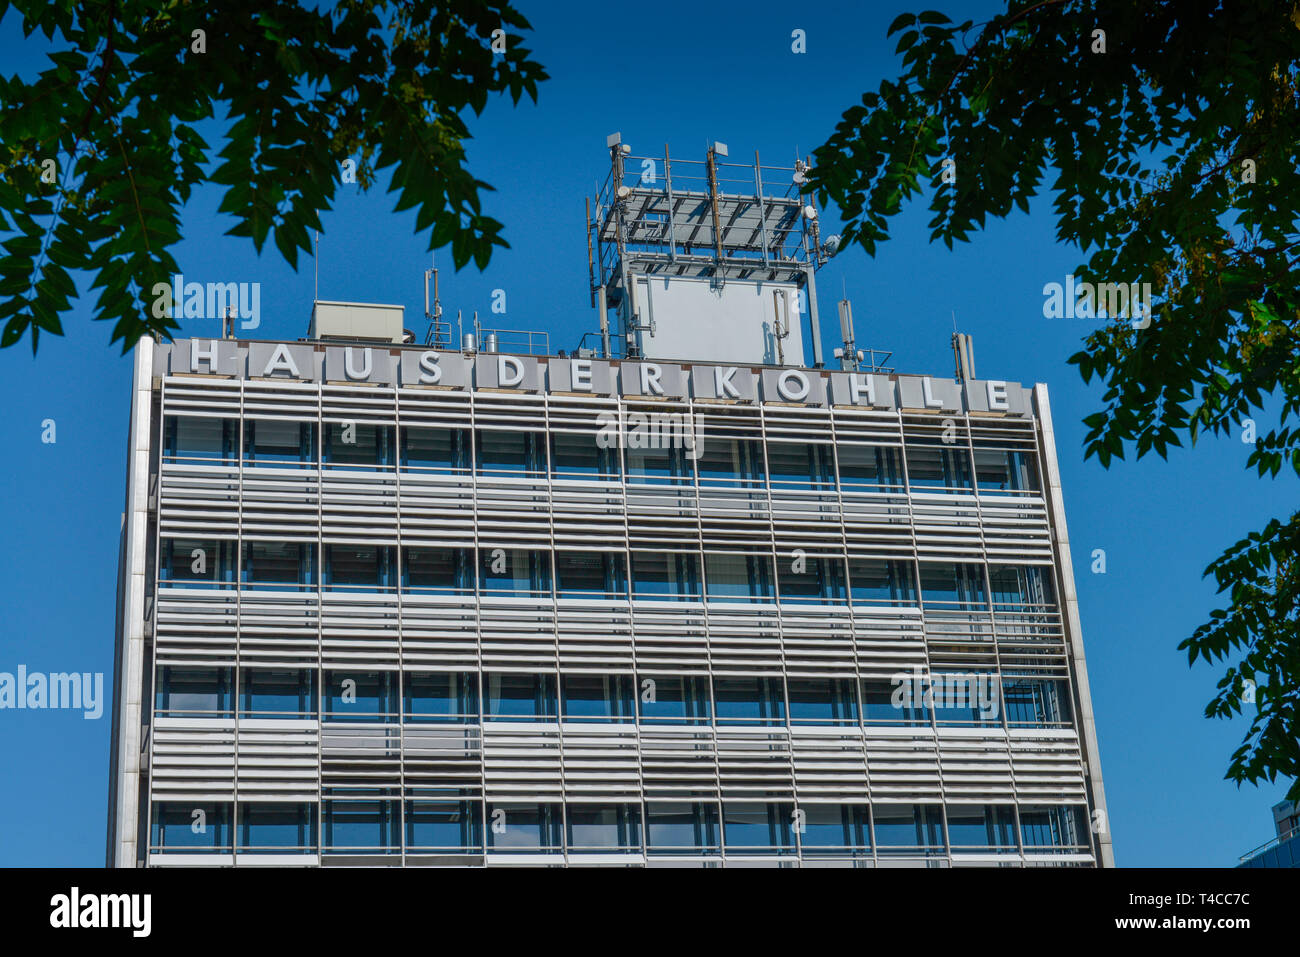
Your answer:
<point x="660" y="216"/>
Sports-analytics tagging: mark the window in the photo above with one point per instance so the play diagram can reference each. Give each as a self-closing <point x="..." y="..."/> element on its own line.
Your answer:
<point x="604" y="827"/>
<point x="1004" y="470"/>
<point x="749" y="700"/>
<point x="939" y="467"/>
<point x="801" y="465"/>
<point x="730" y="576"/>
<point x="875" y="581"/>
<point x="444" y="826"/>
<point x="673" y="828"/>
<point x="525" y="827"/>
<point x="360" y="695"/>
<point x="520" y="697"/>
<point x="899" y="701"/>
<point x="730" y="462"/>
<point x="287" y="693"/>
<point x="359" y="567"/>
<point x="359" y="445"/>
<point x="440" y="697"/>
<point x="194" y="692"/>
<point x="279" y="442"/>
<point x="577" y="455"/>
<point x="966" y="698"/>
<point x="598" y="698"/>
<point x="277" y="828"/>
<point x="810" y="580"/>
<point x="366" y="827"/>
<point x="201" y="438"/>
<point x="283" y="565"/>
<point x="835" y="828"/>
<point x="658" y="466"/>
<point x="191" y="828"/>
<point x="438" y="569"/>
<point x="869" y="467"/>
<point x="959" y="585"/>
<point x="823" y="701"/>
<point x="590" y="574"/>
<point x="435" y="449"/>
<point x="904" y="828"/>
<point x="510" y="453"/>
<point x="665" y="576"/>
<point x="1015" y="587"/>
<point x="758" y="828"/>
<point x="983" y="827"/>
<point x="1047" y="827"/>
<point x="515" y="572"/>
<point x="197" y="562"/>
<point x="674" y="699"/>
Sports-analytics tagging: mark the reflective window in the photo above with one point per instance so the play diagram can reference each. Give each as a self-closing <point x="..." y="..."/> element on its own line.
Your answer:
<point x="746" y="700"/>
<point x="801" y="465"/>
<point x="279" y="442"/>
<point x="510" y="453"/>
<point x="283" y="565"/>
<point x="282" y="693"/>
<point x="823" y="701"/>
<point x="191" y="827"/>
<point x="674" y="828"/>
<point x="197" y="562"/>
<point x="435" y="449"/>
<point x="581" y="455"/>
<point x="590" y="574"/>
<point x="809" y="580"/>
<point x="939" y="466"/>
<point x="597" y="697"/>
<point x="869" y="467"/>
<point x="665" y="576"/>
<point x="519" y="697"/>
<point x="364" y="827"/>
<point x="878" y="581"/>
<point x="359" y="567"/>
<point x="731" y="576"/>
<point x="674" y="698"/>
<point x="525" y="827"/>
<point x="444" y="826"/>
<point x="277" y="828"/>
<point x="440" y="697"/>
<point x="361" y="445"/>
<point x="908" y="827"/>
<point x="982" y="826"/>
<point x="959" y="585"/>
<point x="515" y="572"/>
<point x="758" y="828"/>
<point x="184" y="692"/>
<point x="831" y="828"/>
<point x="438" y="569"/>
<point x="360" y="695"/>
<point x="604" y="827"/>
<point x="201" y="438"/>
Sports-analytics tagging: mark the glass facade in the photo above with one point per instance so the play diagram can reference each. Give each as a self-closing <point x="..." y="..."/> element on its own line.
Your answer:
<point x="441" y="628"/>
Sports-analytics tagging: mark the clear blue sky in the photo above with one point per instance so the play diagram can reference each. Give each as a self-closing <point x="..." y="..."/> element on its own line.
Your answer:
<point x="682" y="74"/>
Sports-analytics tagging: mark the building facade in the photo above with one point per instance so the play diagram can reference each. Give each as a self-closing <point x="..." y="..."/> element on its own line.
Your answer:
<point x="1284" y="849"/>
<point x="385" y="604"/>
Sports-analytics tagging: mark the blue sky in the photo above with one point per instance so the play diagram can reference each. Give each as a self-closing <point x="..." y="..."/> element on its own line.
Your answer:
<point x="681" y="74"/>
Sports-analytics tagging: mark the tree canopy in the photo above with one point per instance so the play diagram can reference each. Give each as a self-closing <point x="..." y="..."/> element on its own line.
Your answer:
<point x="100" y="152"/>
<point x="1168" y="134"/>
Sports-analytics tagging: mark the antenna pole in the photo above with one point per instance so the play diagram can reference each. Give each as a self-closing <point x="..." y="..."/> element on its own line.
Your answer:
<point x="315" y="296"/>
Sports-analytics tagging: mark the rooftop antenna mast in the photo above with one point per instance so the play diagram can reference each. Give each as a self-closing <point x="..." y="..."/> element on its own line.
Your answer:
<point x="434" y="315"/>
<point x="315" y="296"/>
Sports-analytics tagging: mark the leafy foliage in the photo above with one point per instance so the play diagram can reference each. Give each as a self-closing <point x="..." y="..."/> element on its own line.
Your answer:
<point x="384" y="83"/>
<point x="1172" y="157"/>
